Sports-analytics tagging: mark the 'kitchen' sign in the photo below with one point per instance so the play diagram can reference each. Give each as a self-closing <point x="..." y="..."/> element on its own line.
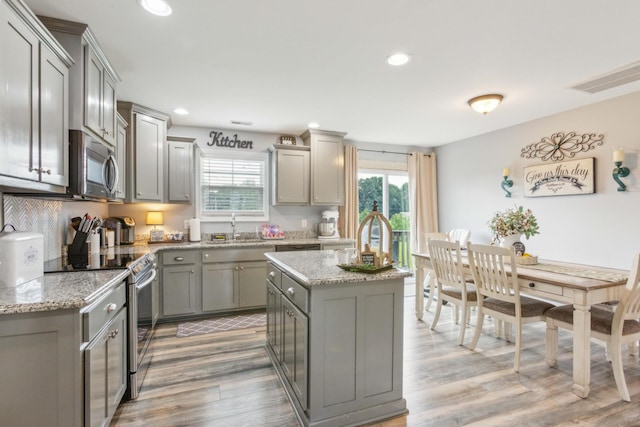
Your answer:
<point x="560" y="179"/>
<point x="219" y="140"/>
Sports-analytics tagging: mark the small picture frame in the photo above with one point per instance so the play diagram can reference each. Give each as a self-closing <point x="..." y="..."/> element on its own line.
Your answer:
<point x="368" y="258"/>
<point x="288" y="140"/>
<point x="156" y="235"/>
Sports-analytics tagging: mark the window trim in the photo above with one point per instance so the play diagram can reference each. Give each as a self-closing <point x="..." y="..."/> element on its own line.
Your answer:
<point x="225" y="217"/>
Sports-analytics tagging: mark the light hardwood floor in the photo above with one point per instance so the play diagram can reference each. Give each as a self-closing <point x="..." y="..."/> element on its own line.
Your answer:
<point x="226" y="379"/>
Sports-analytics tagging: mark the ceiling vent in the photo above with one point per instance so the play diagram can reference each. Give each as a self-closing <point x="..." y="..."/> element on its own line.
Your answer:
<point x="619" y="77"/>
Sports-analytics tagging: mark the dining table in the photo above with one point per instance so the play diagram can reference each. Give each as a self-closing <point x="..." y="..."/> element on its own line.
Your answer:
<point x="557" y="282"/>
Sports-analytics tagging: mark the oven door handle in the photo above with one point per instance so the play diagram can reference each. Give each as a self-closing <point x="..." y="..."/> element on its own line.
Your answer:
<point x="142" y="285"/>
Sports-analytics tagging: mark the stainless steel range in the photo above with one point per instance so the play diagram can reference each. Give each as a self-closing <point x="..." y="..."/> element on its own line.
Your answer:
<point x="141" y="319"/>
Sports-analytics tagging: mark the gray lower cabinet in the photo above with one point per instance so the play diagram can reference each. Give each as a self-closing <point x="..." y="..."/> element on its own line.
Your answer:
<point x="105" y="365"/>
<point x="180" y="283"/>
<point x="64" y="368"/>
<point x="337" y="348"/>
<point x="201" y="282"/>
<point x="41" y="386"/>
<point x="227" y="286"/>
<point x="295" y="356"/>
<point x="274" y="315"/>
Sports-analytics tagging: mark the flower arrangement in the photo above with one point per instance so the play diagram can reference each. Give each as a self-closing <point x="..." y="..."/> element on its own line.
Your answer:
<point x="514" y="221"/>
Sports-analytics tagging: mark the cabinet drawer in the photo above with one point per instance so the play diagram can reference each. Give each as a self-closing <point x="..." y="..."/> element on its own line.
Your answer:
<point x="179" y="257"/>
<point x="236" y="254"/>
<point x="295" y="292"/>
<point x="102" y="311"/>
<point x="274" y="275"/>
<point x="540" y="289"/>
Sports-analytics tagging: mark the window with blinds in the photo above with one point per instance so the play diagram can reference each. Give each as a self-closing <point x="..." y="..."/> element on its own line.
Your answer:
<point x="232" y="186"/>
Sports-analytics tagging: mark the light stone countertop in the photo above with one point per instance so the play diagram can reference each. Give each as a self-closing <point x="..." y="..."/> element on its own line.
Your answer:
<point x="58" y="291"/>
<point x="316" y="268"/>
<point x="77" y="289"/>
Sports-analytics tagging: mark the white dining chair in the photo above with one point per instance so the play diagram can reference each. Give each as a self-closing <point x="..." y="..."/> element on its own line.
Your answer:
<point x="429" y="285"/>
<point x="451" y="282"/>
<point x="499" y="292"/>
<point x="461" y="235"/>
<point x="614" y="328"/>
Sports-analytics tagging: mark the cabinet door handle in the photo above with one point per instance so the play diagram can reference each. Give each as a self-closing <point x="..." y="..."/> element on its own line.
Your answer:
<point x="47" y="171"/>
<point x="115" y="333"/>
<point x="290" y="292"/>
<point x="206" y="255"/>
<point x="179" y="258"/>
<point x="272" y="274"/>
<point x="111" y="307"/>
<point x="186" y="196"/>
<point x="193" y="271"/>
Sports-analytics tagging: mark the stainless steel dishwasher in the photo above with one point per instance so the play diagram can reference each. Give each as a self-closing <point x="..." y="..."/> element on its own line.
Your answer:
<point x="299" y="247"/>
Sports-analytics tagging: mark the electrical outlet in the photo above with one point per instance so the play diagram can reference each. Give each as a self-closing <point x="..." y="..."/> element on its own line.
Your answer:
<point x="304" y="223"/>
<point x="186" y="224"/>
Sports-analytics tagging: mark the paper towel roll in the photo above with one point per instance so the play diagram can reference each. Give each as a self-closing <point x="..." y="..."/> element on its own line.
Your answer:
<point x="194" y="230"/>
<point x="94" y="243"/>
<point x="111" y="238"/>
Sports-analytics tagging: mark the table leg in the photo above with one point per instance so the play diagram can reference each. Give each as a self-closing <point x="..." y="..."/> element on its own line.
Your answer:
<point x="419" y="292"/>
<point x="581" y="349"/>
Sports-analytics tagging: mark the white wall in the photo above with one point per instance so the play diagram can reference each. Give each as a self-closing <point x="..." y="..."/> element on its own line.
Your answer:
<point x="598" y="229"/>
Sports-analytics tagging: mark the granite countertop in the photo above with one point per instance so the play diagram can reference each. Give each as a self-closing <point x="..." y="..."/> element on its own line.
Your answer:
<point x="58" y="291"/>
<point x="315" y="268"/>
<point x="77" y="289"/>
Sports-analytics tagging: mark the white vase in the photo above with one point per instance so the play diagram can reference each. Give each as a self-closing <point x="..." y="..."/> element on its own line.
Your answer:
<point x="508" y="241"/>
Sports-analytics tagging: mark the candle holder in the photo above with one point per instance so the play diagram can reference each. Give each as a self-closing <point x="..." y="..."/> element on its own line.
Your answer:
<point x="506" y="182"/>
<point x="620" y="172"/>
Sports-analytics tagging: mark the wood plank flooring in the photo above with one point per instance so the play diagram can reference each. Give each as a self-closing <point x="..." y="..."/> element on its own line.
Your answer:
<point x="226" y="379"/>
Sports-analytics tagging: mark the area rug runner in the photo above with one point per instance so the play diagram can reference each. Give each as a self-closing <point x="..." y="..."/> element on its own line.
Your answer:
<point x="242" y="321"/>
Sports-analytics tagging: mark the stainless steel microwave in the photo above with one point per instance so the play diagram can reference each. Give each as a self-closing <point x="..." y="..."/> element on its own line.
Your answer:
<point x="93" y="169"/>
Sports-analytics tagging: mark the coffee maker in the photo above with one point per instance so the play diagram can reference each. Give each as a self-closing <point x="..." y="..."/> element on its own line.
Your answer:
<point x="127" y="234"/>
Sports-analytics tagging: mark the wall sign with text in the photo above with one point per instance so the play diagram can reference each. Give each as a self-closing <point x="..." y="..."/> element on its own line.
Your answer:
<point x="219" y="139"/>
<point x="560" y="179"/>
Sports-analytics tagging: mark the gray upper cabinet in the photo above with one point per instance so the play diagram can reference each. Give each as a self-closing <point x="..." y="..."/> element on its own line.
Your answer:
<point x="93" y="80"/>
<point x="146" y="138"/>
<point x="121" y="156"/>
<point x="327" y="166"/>
<point x="291" y="169"/>
<point x="34" y="103"/>
<point x="180" y="169"/>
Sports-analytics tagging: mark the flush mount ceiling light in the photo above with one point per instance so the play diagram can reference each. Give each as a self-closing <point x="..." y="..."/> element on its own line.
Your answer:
<point x="398" y="59"/>
<point x="313" y="125"/>
<point x="486" y="103"/>
<point x="157" y="7"/>
<point x="181" y="111"/>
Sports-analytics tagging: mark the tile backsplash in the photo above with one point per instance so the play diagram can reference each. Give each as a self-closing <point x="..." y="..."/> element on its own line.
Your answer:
<point x="40" y="216"/>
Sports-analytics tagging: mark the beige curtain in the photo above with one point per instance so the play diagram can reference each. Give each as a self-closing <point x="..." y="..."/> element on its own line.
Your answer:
<point x="423" y="198"/>
<point x="349" y="211"/>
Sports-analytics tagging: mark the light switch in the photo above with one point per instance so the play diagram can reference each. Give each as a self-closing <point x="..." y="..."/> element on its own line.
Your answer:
<point x="304" y="223"/>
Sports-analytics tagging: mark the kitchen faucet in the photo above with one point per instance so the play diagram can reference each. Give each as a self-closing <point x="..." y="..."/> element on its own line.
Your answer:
<point x="233" y="226"/>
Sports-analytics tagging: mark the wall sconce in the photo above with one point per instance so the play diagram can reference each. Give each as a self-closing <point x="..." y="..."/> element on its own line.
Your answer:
<point x="619" y="171"/>
<point x="485" y="104"/>
<point x="506" y="182"/>
<point x="155" y="218"/>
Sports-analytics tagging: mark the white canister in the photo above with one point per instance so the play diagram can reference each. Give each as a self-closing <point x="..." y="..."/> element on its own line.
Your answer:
<point x="194" y="230"/>
<point x="21" y="257"/>
<point x="94" y="243"/>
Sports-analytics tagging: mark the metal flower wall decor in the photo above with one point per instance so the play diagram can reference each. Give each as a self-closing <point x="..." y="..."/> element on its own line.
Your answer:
<point x="561" y="145"/>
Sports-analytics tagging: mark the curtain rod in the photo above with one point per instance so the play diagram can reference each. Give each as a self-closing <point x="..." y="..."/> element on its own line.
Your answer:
<point x="391" y="152"/>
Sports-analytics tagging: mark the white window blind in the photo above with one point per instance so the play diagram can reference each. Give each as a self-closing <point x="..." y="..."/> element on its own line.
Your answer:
<point x="232" y="185"/>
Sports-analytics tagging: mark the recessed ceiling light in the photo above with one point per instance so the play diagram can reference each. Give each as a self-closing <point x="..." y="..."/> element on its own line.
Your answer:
<point x="157" y="7"/>
<point x="398" y="59"/>
<point x="313" y="125"/>
<point x="181" y="111"/>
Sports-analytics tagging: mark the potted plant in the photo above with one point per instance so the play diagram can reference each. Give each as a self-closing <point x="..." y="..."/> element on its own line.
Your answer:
<point x="513" y="222"/>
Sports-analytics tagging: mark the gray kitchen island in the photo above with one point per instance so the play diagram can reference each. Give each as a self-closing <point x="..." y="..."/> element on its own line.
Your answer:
<point x="335" y="338"/>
